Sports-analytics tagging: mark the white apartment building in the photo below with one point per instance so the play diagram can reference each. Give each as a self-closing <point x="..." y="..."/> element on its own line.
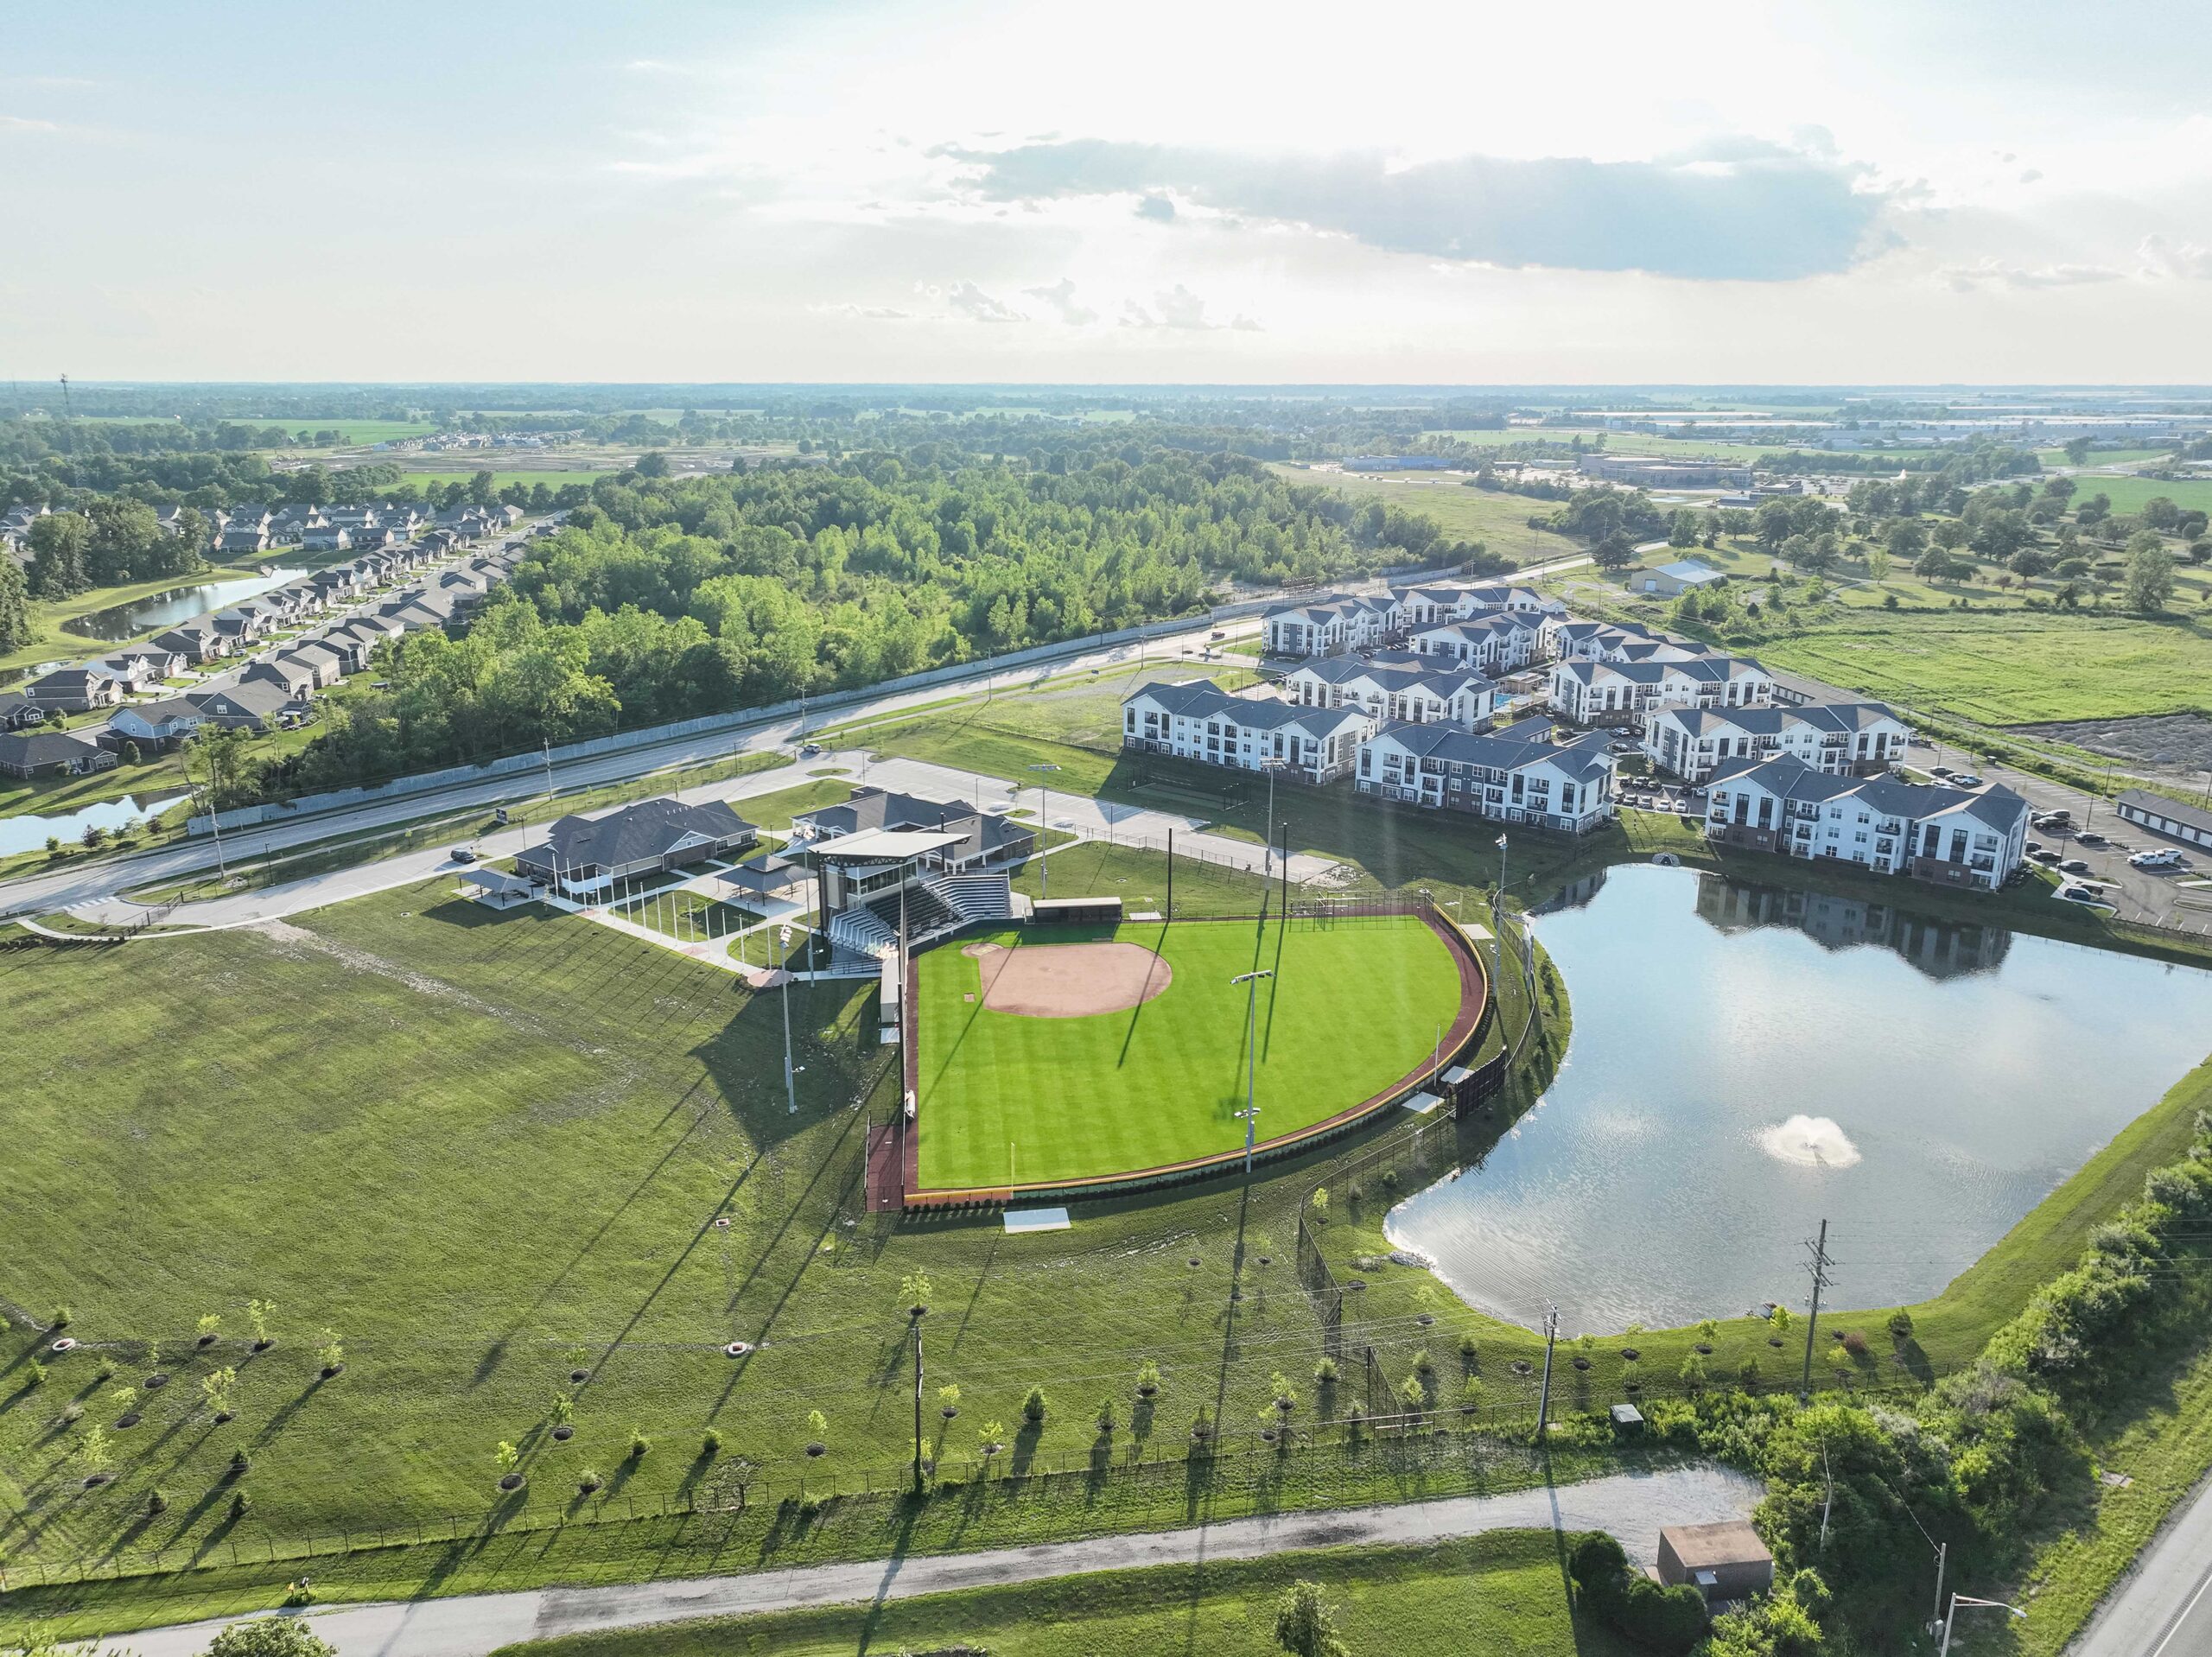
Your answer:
<point x="1403" y="687"/>
<point x="1337" y="621"/>
<point x="1961" y="837"/>
<point x="1199" y="720"/>
<point x="1843" y="739"/>
<point x="1520" y="774"/>
<point x="1621" y="693"/>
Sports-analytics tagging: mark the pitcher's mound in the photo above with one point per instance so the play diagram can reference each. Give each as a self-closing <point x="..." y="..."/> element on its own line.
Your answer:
<point x="1069" y="981"/>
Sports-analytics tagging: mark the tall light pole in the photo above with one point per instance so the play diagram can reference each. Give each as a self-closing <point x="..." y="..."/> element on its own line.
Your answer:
<point x="1958" y="1600"/>
<point x="1497" y="916"/>
<point x="791" y="1071"/>
<point x="1250" y="1113"/>
<point x="1044" y="828"/>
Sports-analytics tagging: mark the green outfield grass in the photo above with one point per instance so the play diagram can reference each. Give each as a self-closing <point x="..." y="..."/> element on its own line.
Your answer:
<point x="1352" y="1008"/>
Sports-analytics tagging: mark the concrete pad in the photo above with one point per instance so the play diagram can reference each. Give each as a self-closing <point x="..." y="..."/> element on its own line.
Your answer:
<point x="1421" y="1103"/>
<point x="1022" y="1220"/>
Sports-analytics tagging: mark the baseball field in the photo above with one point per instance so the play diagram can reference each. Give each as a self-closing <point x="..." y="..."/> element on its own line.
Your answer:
<point x="1071" y="1051"/>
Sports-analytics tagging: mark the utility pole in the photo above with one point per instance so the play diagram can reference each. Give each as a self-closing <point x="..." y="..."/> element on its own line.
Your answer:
<point x="918" y="1405"/>
<point x="1819" y="1268"/>
<point x="1544" y="1397"/>
<point x="545" y="749"/>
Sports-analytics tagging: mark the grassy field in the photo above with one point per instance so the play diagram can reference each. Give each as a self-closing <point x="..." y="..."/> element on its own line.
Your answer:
<point x="2128" y="494"/>
<point x="1352" y="1008"/>
<point x="1499" y="1593"/>
<point x="1498" y="520"/>
<point x="2009" y="668"/>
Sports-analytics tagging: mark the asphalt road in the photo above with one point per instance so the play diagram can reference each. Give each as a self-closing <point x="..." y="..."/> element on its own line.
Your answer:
<point x="1633" y="1506"/>
<point x="92" y="881"/>
<point x="2164" y="1607"/>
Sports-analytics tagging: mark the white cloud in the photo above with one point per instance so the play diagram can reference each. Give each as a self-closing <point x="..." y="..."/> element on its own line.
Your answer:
<point x="2188" y="261"/>
<point x="1179" y="307"/>
<point x="974" y="303"/>
<point x="874" y="313"/>
<point x="1992" y="272"/>
<point x="1061" y="297"/>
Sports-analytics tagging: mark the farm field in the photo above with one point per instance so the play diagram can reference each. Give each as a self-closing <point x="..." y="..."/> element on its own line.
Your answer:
<point x="1352" y="1008"/>
<point x="2128" y="494"/>
<point x="1500" y="1593"/>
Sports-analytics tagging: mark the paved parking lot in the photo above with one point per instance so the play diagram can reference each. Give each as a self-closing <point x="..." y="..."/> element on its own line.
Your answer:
<point x="2160" y="898"/>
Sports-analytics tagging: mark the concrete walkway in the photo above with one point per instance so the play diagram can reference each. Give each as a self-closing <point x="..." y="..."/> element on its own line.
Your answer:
<point x="1633" y="1506"/>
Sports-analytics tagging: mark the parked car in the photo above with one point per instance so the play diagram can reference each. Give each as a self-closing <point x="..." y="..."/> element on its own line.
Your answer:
<point x="2083" y="895"/>
<point x="2074" y="866"/>
<point x="462" y="854"/>
<point x="2089" y="837"/>
<point x="1940" y="770"/>
<point x="1965" y="780"/>
<point x="2155" y="860"/>
<point x="2033" y="846"/>
<point x="810" y="750"/>
<point x="2046" y="856"/>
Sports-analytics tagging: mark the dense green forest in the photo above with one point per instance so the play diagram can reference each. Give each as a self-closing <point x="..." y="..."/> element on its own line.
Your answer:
<point x="663" y="599"/>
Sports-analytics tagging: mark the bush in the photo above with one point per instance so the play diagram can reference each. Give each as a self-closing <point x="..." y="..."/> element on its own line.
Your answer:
<point x="1325" y="1373"/>
<point x="711" y="1444"/>
<point x="1032" y="1407"/>
<point x="1900" y="1325"/>
<point x="270" y="1636"/>
<point x="639" y="1446"/>
<point x="1670" y="1621"/>
<point x="1855" y="1343"/>
<point x="239" y="1461"/>
<point x="239" y="1506"/>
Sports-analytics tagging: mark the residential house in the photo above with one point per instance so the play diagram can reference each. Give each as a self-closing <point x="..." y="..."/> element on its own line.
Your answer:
<point x="1521" y="774"/>
<point x="297" y="682"/>
<point x="75" y="690"/>
<point x="1199" y="720"/>
<point x="156" y="724"/>
<point x="584" y="857"/>
<point x="1964" y="837"/>
<point x="324" y="666"/>
<point x="327" y="538"/>
<point x="252" y="705"/>
<point x="194" y="642"/>
<point x="157" y="660"/>
<point x="17" y="711"/>
<point x="1421" y="692"/>
<point x="52" y="753"/>
<point x="1620" y="693"/>
<point x="133" y="671"/>
<point x="1845" y="739"/>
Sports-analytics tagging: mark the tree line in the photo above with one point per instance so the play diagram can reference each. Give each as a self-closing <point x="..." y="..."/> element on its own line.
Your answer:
<point x="663" y="599"/>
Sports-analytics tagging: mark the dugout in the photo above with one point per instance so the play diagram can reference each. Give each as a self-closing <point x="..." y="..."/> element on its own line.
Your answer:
<point x="1082" y="911"/>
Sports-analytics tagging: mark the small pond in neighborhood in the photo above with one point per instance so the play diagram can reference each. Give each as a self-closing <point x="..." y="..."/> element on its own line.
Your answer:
<point x="1749" y="1060"/>
<point x="178" y="604"/>
<point x="27" y="834"/>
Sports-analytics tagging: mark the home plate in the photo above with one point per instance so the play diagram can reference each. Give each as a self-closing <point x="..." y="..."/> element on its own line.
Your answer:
<point x="1037" y="1220"/>
<point x="1422" y="1103"/>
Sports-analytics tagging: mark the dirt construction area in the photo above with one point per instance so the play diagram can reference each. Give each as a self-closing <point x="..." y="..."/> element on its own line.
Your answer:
<point x="1068" y="980"/>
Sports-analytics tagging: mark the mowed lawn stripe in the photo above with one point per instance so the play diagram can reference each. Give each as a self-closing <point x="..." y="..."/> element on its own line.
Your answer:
<point x="1353" y="1006"/>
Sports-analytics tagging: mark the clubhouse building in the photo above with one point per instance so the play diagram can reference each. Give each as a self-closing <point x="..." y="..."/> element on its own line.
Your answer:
<point x="583" y="858"/>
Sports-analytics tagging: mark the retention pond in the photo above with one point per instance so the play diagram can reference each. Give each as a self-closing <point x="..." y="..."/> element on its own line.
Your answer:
<point x="1748" y="1061"/>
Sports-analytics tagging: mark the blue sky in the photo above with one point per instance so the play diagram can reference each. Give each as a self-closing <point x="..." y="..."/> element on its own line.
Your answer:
<point x="1144" y="192"/>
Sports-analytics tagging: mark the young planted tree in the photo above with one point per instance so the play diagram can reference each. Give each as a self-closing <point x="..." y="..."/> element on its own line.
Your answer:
<point x="1471" y="1395"/>
<point x="1148" y="1379"/>
<point x="1708" y="1331"/>
<point x="331" y="1353"/>
<point x="215" y="1387"/>
<point x="990" y="1439"/>
<point x="915" y="1286"/>
<point x="818" y="1433"/>
<point x="509" y="1462"/>
<point x="210" y="1323"/>
<point x="1032" y="1407"/>
<point x="948" y="1401"/>
<point x="92" y="1454"/>
<point x="1305" y="1626"/>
